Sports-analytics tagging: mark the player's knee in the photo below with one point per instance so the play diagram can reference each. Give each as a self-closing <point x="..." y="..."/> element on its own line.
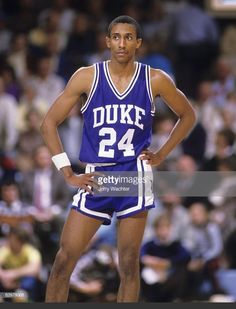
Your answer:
<point x="64" y="263"/>
<point x="129" y="262"/>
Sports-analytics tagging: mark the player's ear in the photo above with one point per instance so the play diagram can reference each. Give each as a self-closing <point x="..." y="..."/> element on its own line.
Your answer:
<point x="108" y="41"/>
<point x="139" y="43"/>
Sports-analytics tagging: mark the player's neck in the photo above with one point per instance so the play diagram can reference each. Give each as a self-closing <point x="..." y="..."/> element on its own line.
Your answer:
<point x="121" y="69"/>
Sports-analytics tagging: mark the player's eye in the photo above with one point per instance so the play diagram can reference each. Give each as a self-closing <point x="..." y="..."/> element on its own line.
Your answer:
<point x="115" y="37"/>
<point x="129" y="37"/>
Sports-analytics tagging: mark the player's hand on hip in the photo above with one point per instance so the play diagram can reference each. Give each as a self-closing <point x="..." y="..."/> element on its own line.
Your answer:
<point x="84" y="181"/>
<point x="153" y="159"/>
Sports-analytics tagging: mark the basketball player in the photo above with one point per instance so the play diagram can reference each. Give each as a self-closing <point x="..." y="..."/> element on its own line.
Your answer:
<point x="117" y="129"/>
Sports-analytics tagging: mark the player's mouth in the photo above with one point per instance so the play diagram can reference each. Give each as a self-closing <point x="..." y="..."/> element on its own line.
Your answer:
<point x="121" y="53"/>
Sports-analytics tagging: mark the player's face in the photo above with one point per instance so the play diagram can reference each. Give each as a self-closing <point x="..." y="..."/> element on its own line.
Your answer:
<point x="123" y="42"/>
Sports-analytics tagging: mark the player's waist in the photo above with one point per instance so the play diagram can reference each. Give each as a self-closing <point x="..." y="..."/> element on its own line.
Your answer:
<point x="99" y="164"/>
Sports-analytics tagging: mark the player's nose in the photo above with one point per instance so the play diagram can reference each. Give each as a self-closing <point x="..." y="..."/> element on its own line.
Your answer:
<point x="122" y="43"/>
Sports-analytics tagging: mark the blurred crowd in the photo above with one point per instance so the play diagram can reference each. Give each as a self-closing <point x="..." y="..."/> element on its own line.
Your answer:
<point x="188" y="250"/>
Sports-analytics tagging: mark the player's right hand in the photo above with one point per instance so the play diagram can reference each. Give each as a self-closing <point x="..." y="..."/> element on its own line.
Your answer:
<point x="84" y="181"/>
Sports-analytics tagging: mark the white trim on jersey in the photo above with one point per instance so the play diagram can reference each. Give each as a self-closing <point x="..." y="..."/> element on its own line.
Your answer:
<point x="149" y="88"/>
<point x="119" y="95"/>
<point x="93" y="88"/>
<point x="140" y="192"/>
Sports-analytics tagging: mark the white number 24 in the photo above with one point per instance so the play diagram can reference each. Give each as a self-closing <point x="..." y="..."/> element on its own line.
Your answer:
<point x="124" y="144"/>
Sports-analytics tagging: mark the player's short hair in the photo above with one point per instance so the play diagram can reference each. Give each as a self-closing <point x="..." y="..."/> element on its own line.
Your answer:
<point x="124" y="19"/>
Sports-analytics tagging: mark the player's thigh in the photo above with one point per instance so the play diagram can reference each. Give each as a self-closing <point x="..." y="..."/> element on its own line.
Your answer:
<point x="77" y="232"/>
<point x="130" y="234"/>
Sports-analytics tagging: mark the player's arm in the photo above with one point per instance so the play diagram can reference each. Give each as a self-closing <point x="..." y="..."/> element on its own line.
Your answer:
<point x="78" y="84"/>
<point x="163" y="85"/>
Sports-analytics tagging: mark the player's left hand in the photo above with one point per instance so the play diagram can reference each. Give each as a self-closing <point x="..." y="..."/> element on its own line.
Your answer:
<point x="153" y="159"/>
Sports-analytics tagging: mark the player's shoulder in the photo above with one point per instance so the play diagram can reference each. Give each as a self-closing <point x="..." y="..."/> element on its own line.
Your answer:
<point x="158" y="74"/>
<point x="82" y="79"/>
<point x="160" y="81"/>
<point x="84" y="72"/>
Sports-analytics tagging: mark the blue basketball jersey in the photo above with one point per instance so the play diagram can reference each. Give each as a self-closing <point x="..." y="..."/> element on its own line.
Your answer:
<point x="117" y="126"/>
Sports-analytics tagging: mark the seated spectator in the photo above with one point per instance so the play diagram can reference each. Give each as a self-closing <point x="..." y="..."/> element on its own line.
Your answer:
<point x="28" y="101"/>
<point x="46" y="84"/>
<point x="49" y="195"/>
<point x="28" y="141"/>
<point x="73" y="127"/>
<point x="224" y="81"/>
<point x="12" y="85"/>
<point x="198" y="136"/>
<point x="12" y="210"/>
<point x="8" y="109"/>
<point x="95" y="277"/>
<point x="20" y="264"/>
<point x="187" y="183"/>
<point x="224" y="144"/>
<point x="209" y="116"/>
<point x="205" y="252"/>
<point x="163" y="262"/>
<point x="18" y="53"/>
<point x="223" y="197"/>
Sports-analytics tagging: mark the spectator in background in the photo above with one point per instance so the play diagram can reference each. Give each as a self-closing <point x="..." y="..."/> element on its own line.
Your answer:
<point x="224" y="145"/>
<point x="47" y="25"/>
<point x="66" y="14"/>
<point x="228" y="45"/>
<point x="20" y="264"/>
<point x="17" y="56"/>
<point x="209" y="116"/>
<point x="222" y="197"/>
<point x="188" y="185"/>
<point x="13" y="210"/>
<point x="97" y="13"/>
<point x="29" y="101"/>
<point x="12" y="86"/>
<point x="163" y="264"/>
<point x="46" y="84"/>
<point x="72" y="127"/>
<point x="162" y="126"/>
<point x="157" y="22"/>
<point x="194" y="144"/>
<point x="49" y="196"/>
<point x="53" y="50"/>
<point x="229" y="112"/>
<point x="81" y="42"/>
<point x="206" y="250"/>
<point x="179" y="217"/>
<point x="8" y="132"/>
<point x="29" y="140"/>
<point x="224" y="82"/>
<point x="95" y="276"/>
<point x="194" y="36"/>
<point x="102" y="53"/>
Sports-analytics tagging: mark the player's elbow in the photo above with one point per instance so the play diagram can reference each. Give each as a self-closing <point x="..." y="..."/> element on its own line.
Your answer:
<point x="45" y="126"/>
<point x="192" y="116"/>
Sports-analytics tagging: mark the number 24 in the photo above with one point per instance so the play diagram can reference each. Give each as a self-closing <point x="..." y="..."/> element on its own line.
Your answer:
<point x="124" y="144"/>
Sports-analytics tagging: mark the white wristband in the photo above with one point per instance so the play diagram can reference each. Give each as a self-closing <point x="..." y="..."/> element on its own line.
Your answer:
<point x="61" y="160"/>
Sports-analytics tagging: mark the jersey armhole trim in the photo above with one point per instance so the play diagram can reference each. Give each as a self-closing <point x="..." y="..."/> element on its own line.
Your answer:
<point x="149" y="89"/>
<point x="93" y="88"/>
